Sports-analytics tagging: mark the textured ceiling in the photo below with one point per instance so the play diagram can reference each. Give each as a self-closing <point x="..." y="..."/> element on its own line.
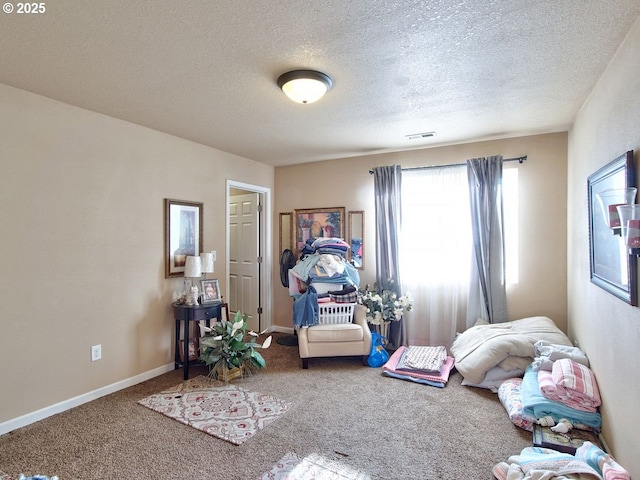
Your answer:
<point x="206" y="70"/>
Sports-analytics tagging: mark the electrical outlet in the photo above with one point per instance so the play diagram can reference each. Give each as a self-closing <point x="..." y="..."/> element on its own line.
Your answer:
<point x="96" y="352"/>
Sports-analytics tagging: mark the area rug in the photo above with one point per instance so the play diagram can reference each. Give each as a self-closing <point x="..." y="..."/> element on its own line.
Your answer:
<point x="311" y="467"/>
<point x="227" y="411"/>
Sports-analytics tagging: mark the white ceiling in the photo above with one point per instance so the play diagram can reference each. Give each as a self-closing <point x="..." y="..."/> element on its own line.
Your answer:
<point x="206" y="70"/>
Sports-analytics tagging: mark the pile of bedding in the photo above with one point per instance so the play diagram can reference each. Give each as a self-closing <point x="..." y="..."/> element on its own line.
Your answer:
<point x="420" y="364"/>
<point x="549" y="412"/>
<point x="487" y="354"/>
<point x="558" y="390"/>
<point x="536" y="463"/>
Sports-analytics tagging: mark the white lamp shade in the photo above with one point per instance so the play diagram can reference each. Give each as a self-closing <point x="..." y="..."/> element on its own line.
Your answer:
<point x="207" y="262"/>
<point x="193" y="268"/>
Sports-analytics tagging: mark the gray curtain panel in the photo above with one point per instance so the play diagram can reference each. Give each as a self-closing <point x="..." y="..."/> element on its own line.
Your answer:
<point x="487" y="295"/>
<point x="387" y="185"/>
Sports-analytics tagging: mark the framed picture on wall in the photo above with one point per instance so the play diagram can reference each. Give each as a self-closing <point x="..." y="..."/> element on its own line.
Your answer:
<point x="317" y="223"/>
<point x="612" y="268"/>
<point x="183" y="234"/>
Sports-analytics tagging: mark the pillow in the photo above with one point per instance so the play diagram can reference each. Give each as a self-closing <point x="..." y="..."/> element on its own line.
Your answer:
<point x="511" y="400"/>
<point x="513" y="362"/>
<point x="494" y="378"/>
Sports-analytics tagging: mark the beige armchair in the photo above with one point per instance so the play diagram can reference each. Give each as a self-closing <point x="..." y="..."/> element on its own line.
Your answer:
<point x="336" y="339"/>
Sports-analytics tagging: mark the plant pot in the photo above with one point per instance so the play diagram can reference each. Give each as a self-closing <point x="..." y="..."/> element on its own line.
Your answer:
<point x="225" y="373"/>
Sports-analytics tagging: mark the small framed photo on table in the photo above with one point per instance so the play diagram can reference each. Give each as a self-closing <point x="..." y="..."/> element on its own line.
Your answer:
<point x="210" y="291"/>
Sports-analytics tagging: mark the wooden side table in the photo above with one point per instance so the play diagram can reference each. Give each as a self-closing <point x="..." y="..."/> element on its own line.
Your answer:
<point x="192" y="313"/>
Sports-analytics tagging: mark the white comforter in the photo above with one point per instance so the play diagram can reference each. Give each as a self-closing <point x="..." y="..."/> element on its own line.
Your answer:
<point x="509" y="345"/>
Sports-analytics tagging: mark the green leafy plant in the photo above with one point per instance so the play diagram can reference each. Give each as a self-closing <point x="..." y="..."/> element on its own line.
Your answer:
<point x="229" y="350"/>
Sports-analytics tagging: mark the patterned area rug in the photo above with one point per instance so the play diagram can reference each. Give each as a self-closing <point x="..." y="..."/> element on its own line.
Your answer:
<point x="224" y="411"/>
<point x="311" y="467"/>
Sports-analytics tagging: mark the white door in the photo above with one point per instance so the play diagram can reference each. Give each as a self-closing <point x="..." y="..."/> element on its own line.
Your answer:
<point x="244" y="257"/>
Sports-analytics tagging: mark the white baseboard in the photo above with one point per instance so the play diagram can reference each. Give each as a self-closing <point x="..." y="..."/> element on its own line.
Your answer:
<point x="43" y="413"/>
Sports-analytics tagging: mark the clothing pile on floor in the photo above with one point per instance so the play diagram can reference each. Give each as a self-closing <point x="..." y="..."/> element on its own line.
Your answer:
<point x="536" y="463"/>
<point x="420" y="364"/>
<point x="558" y="390"/>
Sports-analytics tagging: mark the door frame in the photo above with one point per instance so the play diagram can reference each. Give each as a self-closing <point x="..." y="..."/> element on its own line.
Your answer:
<point x="265" y="287"/>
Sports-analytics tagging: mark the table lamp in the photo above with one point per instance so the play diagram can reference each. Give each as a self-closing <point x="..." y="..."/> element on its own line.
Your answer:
<point x="192" y="269"/>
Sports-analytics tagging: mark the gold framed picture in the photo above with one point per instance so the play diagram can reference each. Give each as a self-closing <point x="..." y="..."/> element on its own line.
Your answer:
<point x="311" y="223"/>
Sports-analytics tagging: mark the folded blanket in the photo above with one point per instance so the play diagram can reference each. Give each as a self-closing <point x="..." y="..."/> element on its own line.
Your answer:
<point x="550" y="390"/>
<point x="575" y="385"/>
<point x="536" y="463"/>
<point x="546" y="353"/>
<point x="422" y="359"/>
<point x="437" y="380"/>
<point x="538" y="406"/>
<point x="602" y="462"/>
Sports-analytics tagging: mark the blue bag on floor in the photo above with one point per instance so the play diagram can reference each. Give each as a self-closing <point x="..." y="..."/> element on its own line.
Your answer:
<point x="378" y="356"/>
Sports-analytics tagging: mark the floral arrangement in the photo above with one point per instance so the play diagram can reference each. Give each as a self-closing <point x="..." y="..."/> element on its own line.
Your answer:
<point x="383" y="306"/>
<point x="229" y="350"/>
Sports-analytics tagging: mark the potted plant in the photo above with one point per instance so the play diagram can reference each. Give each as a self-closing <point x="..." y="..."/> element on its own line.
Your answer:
<point x="230" y="351"/>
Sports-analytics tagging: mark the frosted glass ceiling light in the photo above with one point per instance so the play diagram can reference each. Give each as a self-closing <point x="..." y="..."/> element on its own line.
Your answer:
<point x="304" y="86"/>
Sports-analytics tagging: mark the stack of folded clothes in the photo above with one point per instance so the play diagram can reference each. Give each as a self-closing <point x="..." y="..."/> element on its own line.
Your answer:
<point x="559" y="385"/>
<point x="420" y="364"/>
<point x="558" y="390"/>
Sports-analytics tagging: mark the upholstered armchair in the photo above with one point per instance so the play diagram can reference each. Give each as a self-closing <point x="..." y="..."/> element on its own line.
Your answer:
<point x="336" y="339"/>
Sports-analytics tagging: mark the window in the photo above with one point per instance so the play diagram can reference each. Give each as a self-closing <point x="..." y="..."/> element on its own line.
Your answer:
<point x="436" y="226"/>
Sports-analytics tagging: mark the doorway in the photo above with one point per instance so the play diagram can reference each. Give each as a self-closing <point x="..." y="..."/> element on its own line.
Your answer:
<point x="248" y="253"/>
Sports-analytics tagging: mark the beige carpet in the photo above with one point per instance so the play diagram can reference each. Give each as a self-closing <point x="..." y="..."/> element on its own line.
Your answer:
<point x="346" y="413"/>
<point x="227" y="411"/>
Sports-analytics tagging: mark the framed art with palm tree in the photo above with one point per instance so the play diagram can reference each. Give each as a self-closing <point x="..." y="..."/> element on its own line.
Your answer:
<point x="318" y="223"/>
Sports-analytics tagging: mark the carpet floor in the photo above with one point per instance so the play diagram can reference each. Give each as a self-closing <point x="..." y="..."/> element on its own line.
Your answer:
<point x="347" y="414"/>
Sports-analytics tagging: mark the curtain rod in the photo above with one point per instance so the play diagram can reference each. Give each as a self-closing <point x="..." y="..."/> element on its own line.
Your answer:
<point x="521" y="159"/>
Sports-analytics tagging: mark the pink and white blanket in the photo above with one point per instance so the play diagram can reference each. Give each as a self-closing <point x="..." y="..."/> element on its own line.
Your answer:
<point x="571" y="383"/>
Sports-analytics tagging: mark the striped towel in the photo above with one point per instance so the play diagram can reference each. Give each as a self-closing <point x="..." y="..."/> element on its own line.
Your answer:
<point x="576" y="383"/>
<point x="601" y="462"/>
<point x="552" y="390"/>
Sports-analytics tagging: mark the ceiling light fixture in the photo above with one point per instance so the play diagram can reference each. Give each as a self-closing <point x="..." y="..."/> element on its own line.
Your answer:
<point x="304" y="86"/>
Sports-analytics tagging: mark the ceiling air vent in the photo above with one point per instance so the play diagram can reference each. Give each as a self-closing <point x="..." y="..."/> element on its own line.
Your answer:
<point x="417" y="136"/>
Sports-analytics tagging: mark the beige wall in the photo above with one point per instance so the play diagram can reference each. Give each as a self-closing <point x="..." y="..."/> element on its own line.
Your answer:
<point x="81" y="209"/>
<point x="607" y="329"/>
<point x="542" y="289"/>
